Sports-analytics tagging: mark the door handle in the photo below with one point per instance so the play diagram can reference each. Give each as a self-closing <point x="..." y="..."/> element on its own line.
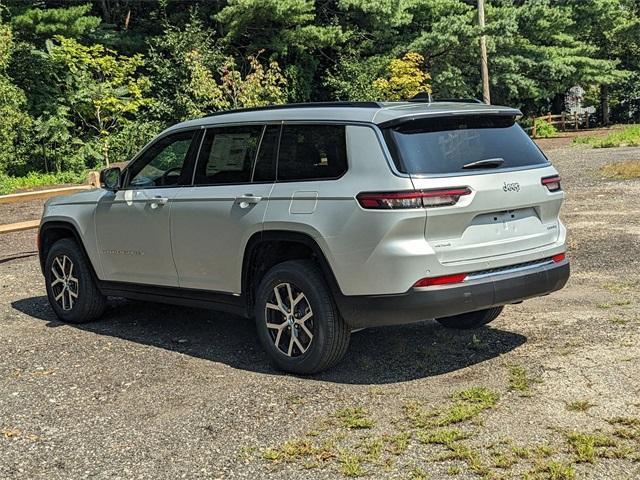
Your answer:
<point x="247" y="199"/>
<point x="156" y="202"/>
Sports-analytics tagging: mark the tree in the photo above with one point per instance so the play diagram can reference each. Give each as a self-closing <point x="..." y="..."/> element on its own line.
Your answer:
<point x="15" y="122"/>
<point x="197" y="78"/>
<point x="37" y="25"/>
<point x="102" y="89"/>
<point x="404" y="79"/>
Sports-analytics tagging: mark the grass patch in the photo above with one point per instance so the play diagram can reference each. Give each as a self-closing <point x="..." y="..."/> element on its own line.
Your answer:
<point x="553" y="470"/>
<point x="9" y="184"/>
<point x="627" y="170"/>
<point x="628" y="136"/>
<point x="442" y="436"/>
<point x="354" y="418"/>
<point x="350" y="465"/>
<point x="586" y="445"/>
<point x="579" y="406"/>
<point x="468" y="404"/>
<point x="519" y="380"/>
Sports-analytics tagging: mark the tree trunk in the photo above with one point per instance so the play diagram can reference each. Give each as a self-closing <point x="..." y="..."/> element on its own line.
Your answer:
<point x="604" y="104"/>
<point x="557" y="104"/>
<point x="106" y="14"/>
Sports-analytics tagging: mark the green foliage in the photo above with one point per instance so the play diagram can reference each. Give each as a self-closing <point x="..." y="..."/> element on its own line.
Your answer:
<point x="15" y="121"/>
<point x="84" y="84"/>
<point x="545" y="129"/>
<point x="9" y="184"/>
<point x="102" y="89"/>
<point x="405" y="77"/>
<point x="626" y="137"/>
<point x="38" y="24"/>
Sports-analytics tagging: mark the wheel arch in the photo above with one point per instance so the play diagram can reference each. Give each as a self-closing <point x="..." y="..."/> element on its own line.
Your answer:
<point x="265" y="249"/>
<point x="53" y="230"/>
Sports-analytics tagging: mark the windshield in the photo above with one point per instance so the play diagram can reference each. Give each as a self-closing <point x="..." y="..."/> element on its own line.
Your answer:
<point x="461" y="144"/>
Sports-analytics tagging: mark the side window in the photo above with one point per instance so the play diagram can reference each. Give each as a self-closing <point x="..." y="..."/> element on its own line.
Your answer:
<point x="312" y="152"/>
<point x="163" y="164"/>
<point x="265" y="169"/>
<point x="227" y="155"/>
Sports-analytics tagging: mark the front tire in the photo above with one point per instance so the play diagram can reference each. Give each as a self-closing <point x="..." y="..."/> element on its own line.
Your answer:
<point x="70" y="283"/>
<point x="297" y="320"/>
<point x="469" y="320"/>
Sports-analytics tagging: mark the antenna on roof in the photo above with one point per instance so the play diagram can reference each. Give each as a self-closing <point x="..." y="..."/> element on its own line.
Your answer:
<point x="422" y="97"/>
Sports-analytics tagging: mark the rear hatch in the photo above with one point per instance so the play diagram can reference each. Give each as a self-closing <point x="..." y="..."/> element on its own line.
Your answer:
<point x="507" y="209"/>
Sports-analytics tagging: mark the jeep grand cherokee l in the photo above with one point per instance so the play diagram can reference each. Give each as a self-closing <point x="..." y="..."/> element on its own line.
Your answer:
<point x="318" y="219"/>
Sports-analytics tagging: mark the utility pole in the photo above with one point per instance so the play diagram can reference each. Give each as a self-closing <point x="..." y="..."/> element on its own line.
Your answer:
<point x="484" y="66"/>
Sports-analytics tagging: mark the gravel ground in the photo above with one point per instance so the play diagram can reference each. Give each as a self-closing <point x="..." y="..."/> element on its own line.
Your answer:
<point x="156" y="392"/>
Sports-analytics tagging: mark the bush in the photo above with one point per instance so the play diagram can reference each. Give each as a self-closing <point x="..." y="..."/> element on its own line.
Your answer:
<point x="9" y="184"/>
<point x="545" y="129"/>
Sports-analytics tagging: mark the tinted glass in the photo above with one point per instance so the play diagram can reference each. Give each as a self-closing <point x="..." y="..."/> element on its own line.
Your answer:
<point x="163" y="164"/>
<point x="265" y="169"/>
<point x="310" y="152"/>
<point x="227" y="155"/>
<point x="446" y="145"/>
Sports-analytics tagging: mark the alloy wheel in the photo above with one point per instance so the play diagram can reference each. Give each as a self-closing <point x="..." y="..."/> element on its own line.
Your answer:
<point x="64" y="284"/>
<point x="289" y="320"/>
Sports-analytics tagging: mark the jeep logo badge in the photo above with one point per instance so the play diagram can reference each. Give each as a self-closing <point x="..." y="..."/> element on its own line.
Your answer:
<point x="511" y="187"/>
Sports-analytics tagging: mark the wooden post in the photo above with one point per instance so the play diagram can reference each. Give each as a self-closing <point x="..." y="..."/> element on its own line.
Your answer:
<point x="549" y="118"/>
<point x="575" y="117"/>
<point x="586" y="120"/>
<point x="533" y="129"/>
<point x="484" y="63"/>
<point x="563" y="121"/>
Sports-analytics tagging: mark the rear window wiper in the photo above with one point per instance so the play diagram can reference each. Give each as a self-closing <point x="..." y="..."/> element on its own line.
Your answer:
<point x="488" y="163"/>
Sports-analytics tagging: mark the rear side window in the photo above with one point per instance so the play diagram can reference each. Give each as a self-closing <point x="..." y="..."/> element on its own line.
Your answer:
<point x="227" y="155"/>
<point x="312" y="152"/>
<point x="455" y="144"/>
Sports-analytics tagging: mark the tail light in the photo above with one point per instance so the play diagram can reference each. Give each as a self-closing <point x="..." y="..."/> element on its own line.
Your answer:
<point x="444" y="280"/>
<point x="559" y="257"/>
<point x="552" y="183"/>
<point x="441" y="197"/>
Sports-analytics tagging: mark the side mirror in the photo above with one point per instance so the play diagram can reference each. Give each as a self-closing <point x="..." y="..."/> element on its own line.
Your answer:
<point x="110" y="178"/>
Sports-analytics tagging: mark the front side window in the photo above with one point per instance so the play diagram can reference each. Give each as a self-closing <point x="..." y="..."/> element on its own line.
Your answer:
<point x="312" y="152"/>
<point x="164" y="163"/>
<point x="227" y="155"/>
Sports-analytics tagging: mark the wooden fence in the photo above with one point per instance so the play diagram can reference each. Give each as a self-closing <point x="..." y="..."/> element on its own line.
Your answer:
<point x="564" y="120"/>
<point x="92" y="182"/>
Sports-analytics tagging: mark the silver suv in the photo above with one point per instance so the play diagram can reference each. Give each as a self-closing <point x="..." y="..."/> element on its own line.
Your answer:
<point x="318" y="219"/>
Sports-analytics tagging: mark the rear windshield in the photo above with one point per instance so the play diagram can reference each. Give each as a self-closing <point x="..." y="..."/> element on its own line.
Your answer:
<point x="454" y="144"/>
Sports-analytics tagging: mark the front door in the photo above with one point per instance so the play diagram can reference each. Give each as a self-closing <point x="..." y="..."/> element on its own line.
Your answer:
<point x="132" y="224"/>
<point x="212" y="221"/>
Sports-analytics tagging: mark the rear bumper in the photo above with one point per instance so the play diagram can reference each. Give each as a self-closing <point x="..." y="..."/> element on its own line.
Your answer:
<point x="486" y="291"/>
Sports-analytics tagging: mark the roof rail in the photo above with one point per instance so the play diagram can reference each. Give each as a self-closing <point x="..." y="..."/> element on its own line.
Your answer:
<point x="459" y="100"/>
<point x="427" y="98"/>
<point x="301" y="105"/>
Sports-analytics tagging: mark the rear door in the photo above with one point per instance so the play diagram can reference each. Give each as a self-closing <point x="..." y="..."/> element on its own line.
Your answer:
<point x="212" y="221"/>
<point x="508" y="210"/>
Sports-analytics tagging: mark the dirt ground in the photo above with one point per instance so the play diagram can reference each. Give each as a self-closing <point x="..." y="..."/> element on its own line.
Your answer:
<point x="550" y="390"/>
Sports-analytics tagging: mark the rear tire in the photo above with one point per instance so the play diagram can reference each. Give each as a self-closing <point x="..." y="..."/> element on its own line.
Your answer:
<point x="471" y="320"/>
<point x="297" y="320"/>
<point x="71" y="286"/>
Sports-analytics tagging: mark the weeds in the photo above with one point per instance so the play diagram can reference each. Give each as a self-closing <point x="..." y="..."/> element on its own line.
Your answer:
<point x="519" y="380"/>
<point x="585" y="445"/>
<point x="354" y="418"/>
<point x="579" y="406"/>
